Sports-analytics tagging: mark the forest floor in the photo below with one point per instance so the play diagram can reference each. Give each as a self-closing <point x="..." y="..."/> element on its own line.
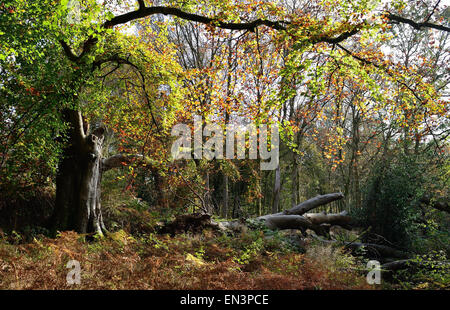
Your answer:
<point x="138" y="255"/>
<point x="186" y="261"/>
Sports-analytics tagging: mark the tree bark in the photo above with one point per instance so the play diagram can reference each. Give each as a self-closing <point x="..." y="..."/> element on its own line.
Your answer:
<point x="78" y="180"/>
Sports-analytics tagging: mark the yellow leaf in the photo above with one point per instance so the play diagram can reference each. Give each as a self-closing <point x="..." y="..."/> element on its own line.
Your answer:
<point x="195" y="260"/>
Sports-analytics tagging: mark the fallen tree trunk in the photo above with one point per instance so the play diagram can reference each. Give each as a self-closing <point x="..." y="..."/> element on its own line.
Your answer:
<point x="307" y="205"/>
<point x="313" y="203"/>
<point x="293" y="222"/>
<point x="295" y="218"/>
<point x="341" y="219"/>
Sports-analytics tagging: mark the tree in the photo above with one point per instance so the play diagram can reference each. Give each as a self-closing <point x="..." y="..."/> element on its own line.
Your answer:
<point x="67" y="56"/>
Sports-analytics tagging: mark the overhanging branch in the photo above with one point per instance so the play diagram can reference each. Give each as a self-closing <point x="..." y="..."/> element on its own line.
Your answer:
<point x="143" y="11"/>
<point x="415" y="25"/>
<point x="148" y="11"/>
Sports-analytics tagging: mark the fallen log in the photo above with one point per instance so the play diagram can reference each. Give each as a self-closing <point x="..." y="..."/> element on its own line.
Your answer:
<point x="341" y="219"/>
<point x="292" y="222"/>
<point x="313" y="203"/>
<point x="295" y="218"/>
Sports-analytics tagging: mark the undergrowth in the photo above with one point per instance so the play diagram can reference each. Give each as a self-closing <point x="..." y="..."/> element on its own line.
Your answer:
<point x="151" y="261"/>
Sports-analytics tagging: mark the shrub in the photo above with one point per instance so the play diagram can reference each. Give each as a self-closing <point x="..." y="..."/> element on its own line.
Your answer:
<point x="391" y="195"/>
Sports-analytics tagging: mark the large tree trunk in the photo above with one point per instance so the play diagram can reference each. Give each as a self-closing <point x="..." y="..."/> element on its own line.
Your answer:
<point x="78" y="180"/>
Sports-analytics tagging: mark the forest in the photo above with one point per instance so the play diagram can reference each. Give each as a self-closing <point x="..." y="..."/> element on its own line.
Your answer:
<point x="224" y="145"/>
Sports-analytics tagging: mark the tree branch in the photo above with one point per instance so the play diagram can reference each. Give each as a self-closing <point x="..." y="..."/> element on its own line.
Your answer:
<point x="148" y="11"/>
<point x="68" y="51"/>
<point x="415" y="25"/>
<point x="387" y="70"/>
<point x="117" y="161"/>
<point x="432" y="11"/>
<point x="342" y="37"/>
<point x="440" y="204"/>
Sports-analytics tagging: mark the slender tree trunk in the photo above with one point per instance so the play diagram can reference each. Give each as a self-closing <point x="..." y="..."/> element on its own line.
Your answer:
<point x="276" y="190"/>
<point x="161" y="200"/>
<point x="294" y="189"/>
<point x="225" y="206"/>
<point x="209" y="206"/>
<point x="295" y="198"/>
<point x="225" y="197"/>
